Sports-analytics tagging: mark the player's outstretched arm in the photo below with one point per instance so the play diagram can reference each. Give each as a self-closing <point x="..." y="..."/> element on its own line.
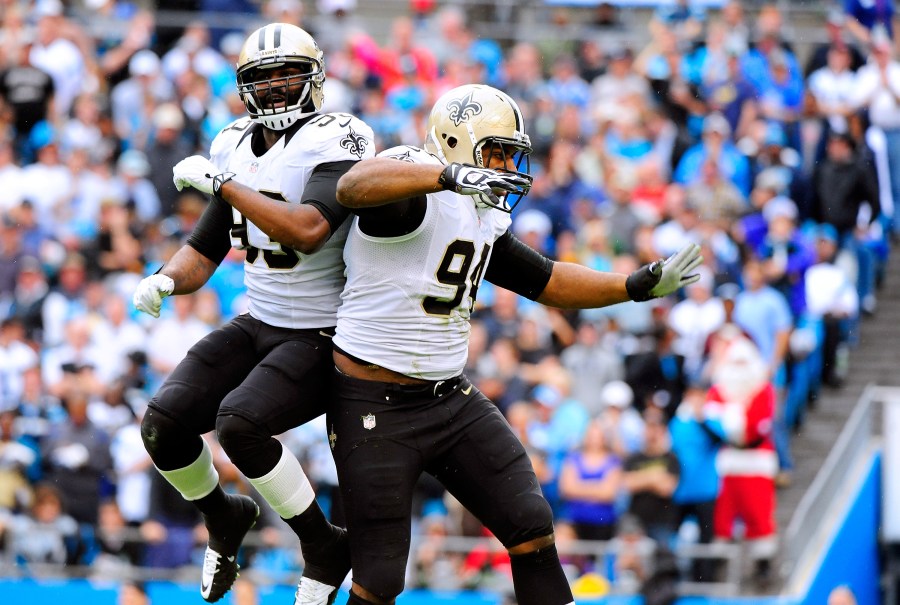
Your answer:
<point x="574" y="286"/>
<point x="298" y="226"/>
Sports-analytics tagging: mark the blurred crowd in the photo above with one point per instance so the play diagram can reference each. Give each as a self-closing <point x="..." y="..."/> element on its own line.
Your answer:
<point x="651" y="425"/>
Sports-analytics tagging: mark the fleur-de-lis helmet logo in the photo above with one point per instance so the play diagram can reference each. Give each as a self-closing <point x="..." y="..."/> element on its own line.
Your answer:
<point x="463" y="109"/>
<point x="355" y="143"/>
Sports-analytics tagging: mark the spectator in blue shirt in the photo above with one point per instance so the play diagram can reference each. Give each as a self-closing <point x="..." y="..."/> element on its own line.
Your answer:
<point x="589" y="484"/>
<point x="769" y="47"/>
<point x="866" y="15"/>
<point x="781" y="94"/>
<point x="717" y="144"/>
<point x="763" y="313"/>
<point x="785" y="252"/>
<point x="684" y="17"/>
<point x="732" y="95"/>
<point x="695" y="442"/>
<point x="565" y="86"/>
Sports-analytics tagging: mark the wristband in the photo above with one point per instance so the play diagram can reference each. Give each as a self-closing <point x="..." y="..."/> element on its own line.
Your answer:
<point x="219" y="180"/>
<point x="447" y="180"/>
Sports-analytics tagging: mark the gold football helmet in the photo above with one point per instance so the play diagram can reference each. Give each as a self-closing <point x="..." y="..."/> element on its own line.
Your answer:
<point x="280" y="75"/>
<point x="470" y="124"/>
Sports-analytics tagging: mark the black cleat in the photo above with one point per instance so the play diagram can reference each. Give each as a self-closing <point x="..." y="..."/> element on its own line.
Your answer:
<point x="324" y="570"/>
<point x="226" y="532"/>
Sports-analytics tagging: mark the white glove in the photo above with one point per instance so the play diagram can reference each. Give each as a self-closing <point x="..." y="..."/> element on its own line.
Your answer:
<point x="150" y="293"/>
<point x="663" y="277"/>
<point x="478" y="182"/>
<point x="201" y="174"/>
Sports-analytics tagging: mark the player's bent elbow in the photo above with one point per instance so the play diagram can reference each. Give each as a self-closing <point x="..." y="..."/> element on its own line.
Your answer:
<point x="349" y="192"/>
<point x="310" y="245"/>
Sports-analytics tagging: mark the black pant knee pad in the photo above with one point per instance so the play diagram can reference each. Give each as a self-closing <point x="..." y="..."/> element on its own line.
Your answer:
<point x="385" y="578"/>
<point x="171" y="444"/>
<point x="355" y="599"/>
<point x="250" y="446"/>
<point x="531" y="518"/>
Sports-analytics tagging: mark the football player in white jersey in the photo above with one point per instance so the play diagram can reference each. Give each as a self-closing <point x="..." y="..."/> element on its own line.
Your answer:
<point x="268" y="370"/>
<point x="416" y="253"/>
<point x="428" y="222"/>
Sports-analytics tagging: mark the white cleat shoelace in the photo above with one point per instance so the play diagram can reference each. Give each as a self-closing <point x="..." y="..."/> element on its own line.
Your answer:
<point x="211" y="566"/>
<point x="312" y="592"/>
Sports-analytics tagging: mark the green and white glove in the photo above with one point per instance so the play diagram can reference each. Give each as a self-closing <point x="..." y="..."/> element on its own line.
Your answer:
<point x="150" y="293"/>
<point x="662" y="277"/>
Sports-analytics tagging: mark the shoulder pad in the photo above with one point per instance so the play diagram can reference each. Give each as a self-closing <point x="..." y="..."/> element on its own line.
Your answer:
<point x="338" y="137"/>
<point x="229" y="136"/>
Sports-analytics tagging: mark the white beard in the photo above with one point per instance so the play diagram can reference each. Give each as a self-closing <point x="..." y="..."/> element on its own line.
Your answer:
<point x="742" y="373"/>
<point x="740" y="382"/>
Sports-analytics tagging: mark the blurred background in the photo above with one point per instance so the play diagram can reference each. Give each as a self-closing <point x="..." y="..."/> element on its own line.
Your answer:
<point x="767" y="132"/>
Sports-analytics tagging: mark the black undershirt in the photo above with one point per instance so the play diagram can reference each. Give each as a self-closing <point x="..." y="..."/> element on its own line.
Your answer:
<point x="392" y="220"/>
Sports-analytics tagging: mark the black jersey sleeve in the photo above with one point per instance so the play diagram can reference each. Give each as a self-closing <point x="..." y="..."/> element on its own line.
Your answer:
<point x="211" y="236"/>
<point x="518" y="267"/>
<point x="321" y="188"/>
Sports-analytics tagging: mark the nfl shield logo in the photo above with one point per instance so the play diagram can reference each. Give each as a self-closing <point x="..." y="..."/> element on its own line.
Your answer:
<point x="254" y="167"/>
<point x="369" y="422"/>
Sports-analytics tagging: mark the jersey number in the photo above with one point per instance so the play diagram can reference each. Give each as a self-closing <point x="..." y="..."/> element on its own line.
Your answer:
<point x="274" y="255"/>
<point x="454" y="271"/>
<point x="328" y="118"/>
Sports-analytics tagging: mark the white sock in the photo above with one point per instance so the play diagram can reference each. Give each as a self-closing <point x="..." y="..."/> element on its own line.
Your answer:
<point x="197" y="479"/>
<point x="285" y="487"/>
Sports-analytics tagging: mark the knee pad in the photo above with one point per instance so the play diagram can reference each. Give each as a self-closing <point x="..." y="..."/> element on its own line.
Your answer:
<point x="251" y="448"/>
<point x="355" y="599"/>
<point x="171" y="445"/>
<point x="531" y="517"/>
<point x="379" y="560"/>
<point x="384" y="578"/>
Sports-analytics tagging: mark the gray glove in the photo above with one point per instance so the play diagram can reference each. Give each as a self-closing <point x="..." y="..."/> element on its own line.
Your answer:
<point x="477" y="182"/>
<point x="663" y="277"/>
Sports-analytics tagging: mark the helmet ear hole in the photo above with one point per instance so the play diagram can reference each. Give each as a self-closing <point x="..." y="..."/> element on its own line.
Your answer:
<point x="452" y="142"/>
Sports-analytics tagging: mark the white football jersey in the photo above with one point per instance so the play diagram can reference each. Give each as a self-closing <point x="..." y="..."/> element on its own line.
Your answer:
<point x="286" y="288"/>
<point x="408" y="299"/>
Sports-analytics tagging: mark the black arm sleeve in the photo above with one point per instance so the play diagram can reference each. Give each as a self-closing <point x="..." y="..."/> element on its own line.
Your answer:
<point x="518" y="267"/>
<point x="211" y="236"/>
<point x="393" y="220"/>
<point x="321" y="191"/>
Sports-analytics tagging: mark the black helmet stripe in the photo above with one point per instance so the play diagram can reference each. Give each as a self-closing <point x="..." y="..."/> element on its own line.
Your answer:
<point x="516" y="113"/>
<point x="262" y="38"/>
<point x="277" y="41"/>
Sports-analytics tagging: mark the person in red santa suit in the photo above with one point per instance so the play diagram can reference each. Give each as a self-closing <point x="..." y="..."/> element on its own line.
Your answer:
<point x="743" y="398"/>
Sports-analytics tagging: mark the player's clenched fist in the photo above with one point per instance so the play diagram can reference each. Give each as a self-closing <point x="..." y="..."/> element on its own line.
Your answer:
<point x="471" y="180"/>
<point x="150" y="293"/>
<point x="201" y="174"/>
